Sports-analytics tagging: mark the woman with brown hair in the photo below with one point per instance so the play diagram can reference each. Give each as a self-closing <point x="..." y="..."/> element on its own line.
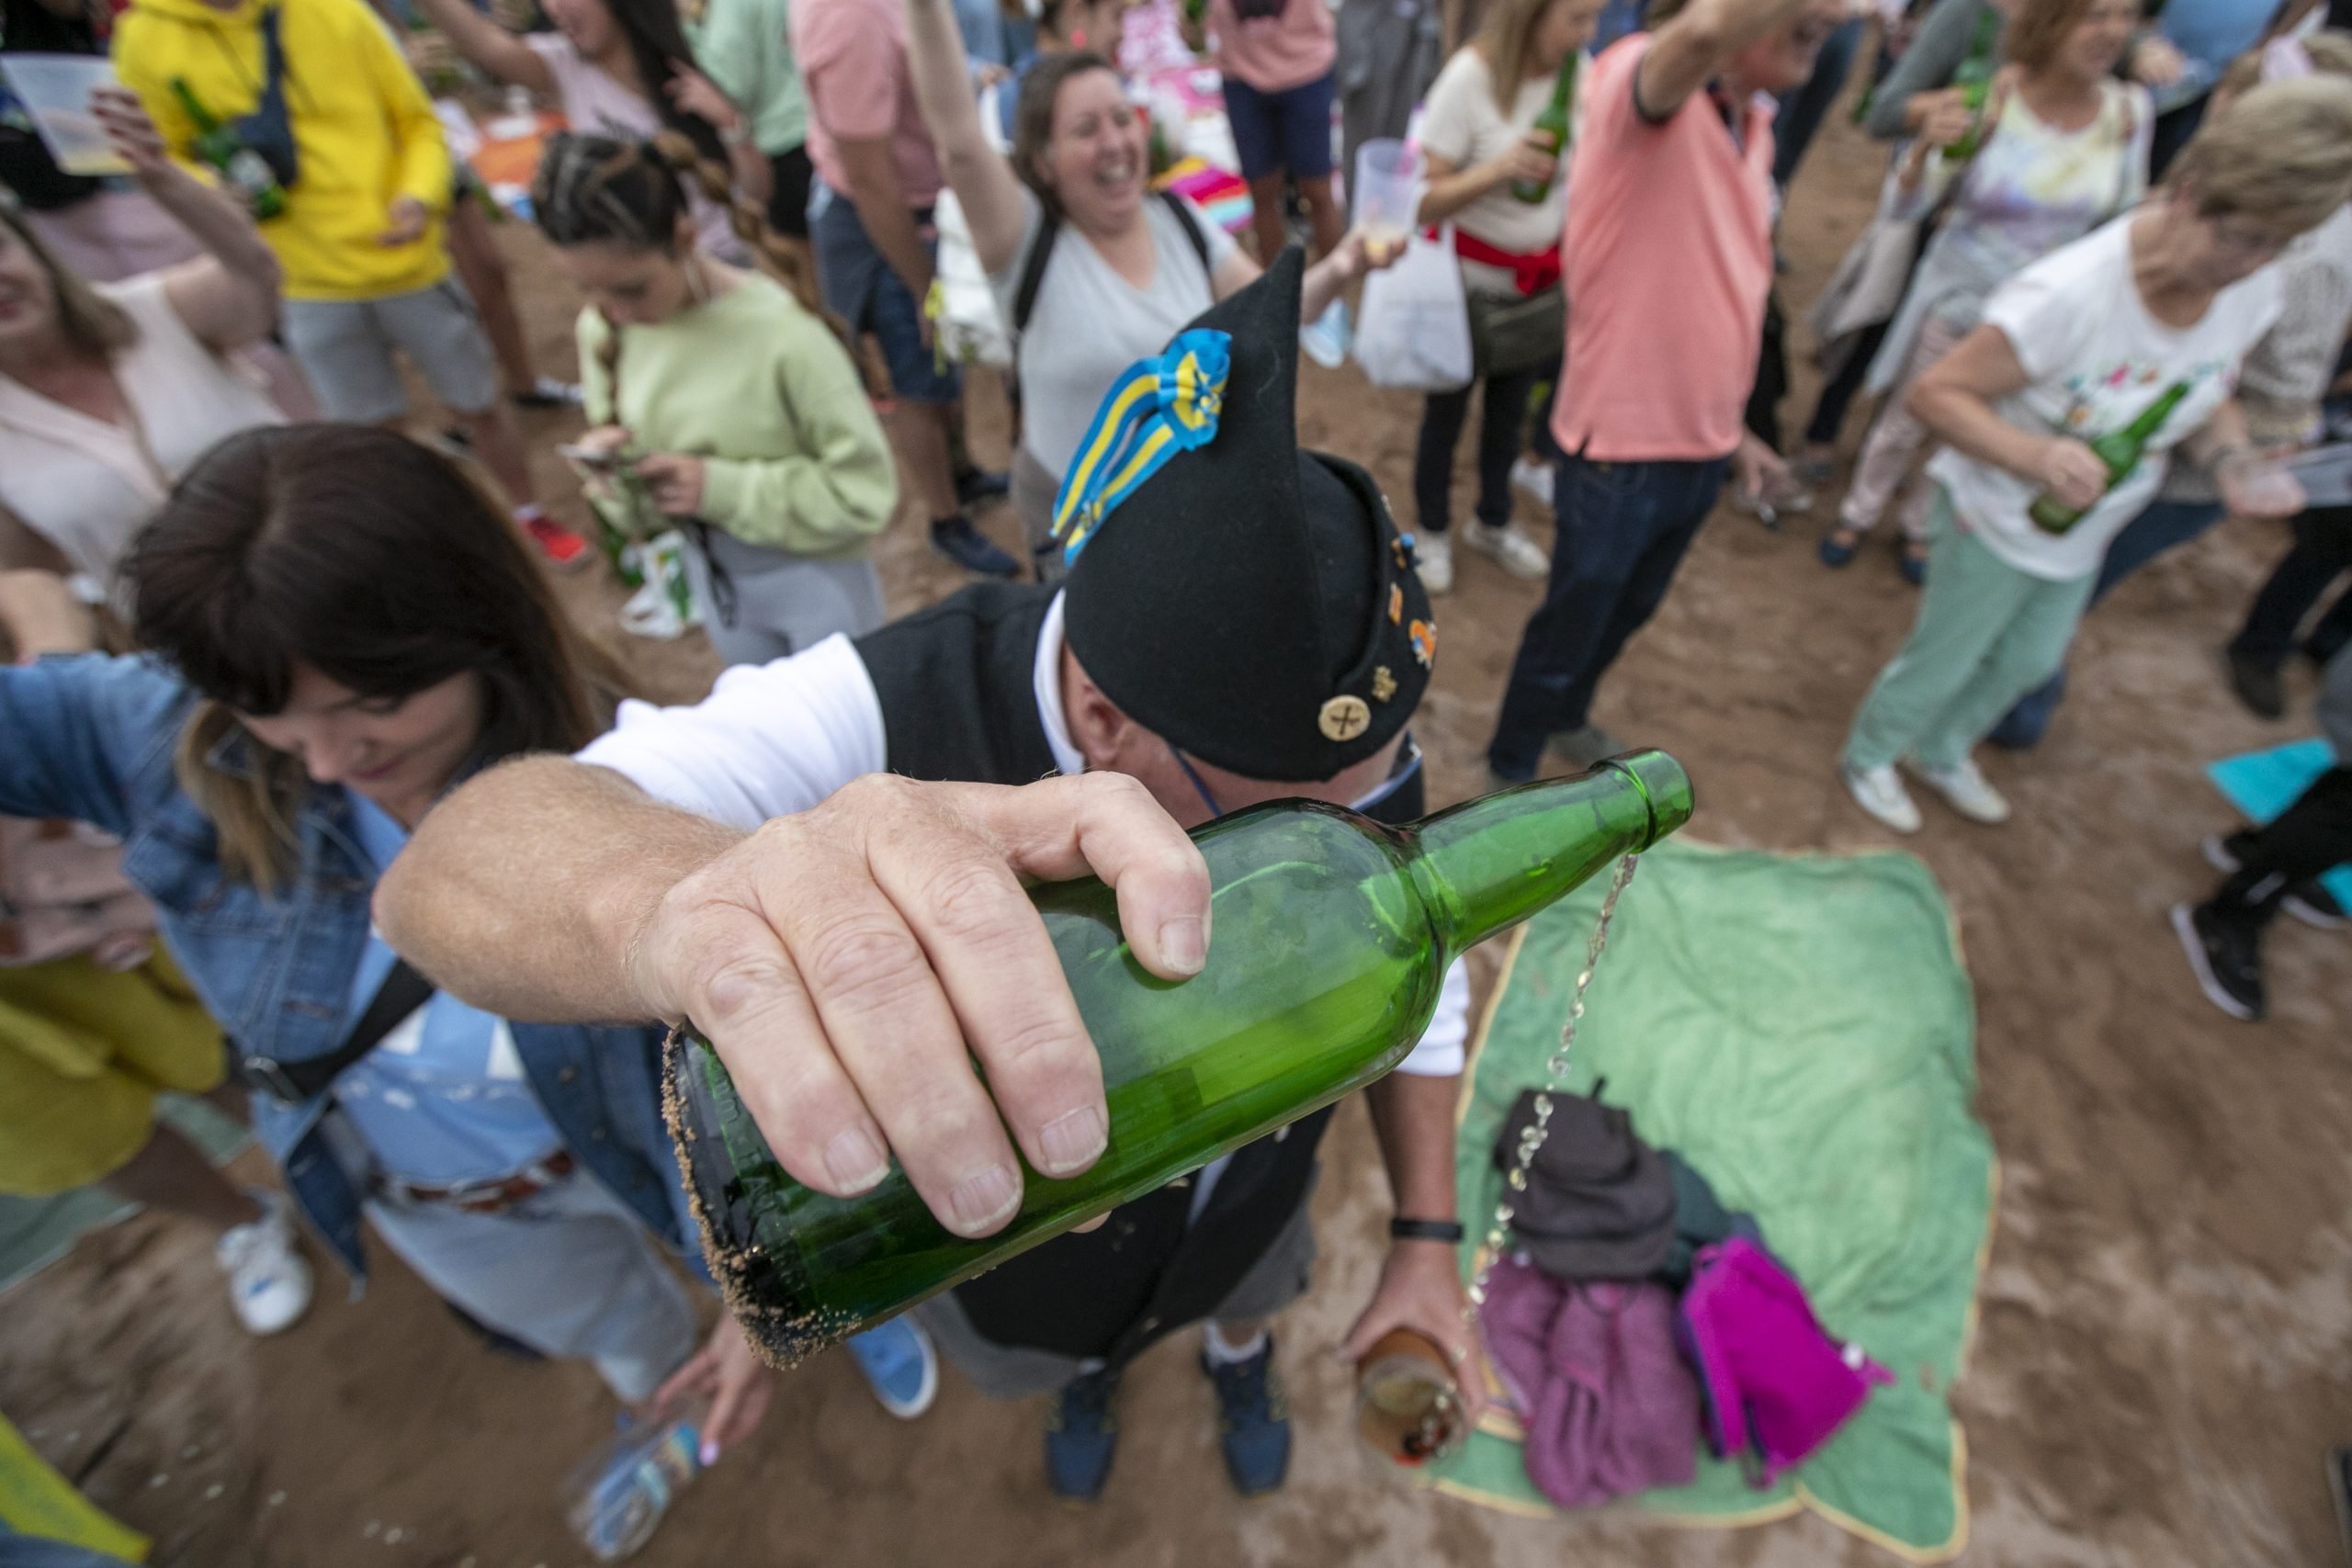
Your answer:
<point x="108" y="392"/>
<point x="2060" y="147"/>
<point x="340" y="631"/>
<point x="1092" y="270"/>
<point x="624" y="68"/>
<point x="722" y="407"/>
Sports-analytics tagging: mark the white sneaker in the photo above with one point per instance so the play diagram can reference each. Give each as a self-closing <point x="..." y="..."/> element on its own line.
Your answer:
<point x="1512" y="551"/>
<point x="1965" y="790"/>
<point x="1434" y="557"/>
<point x="1326" y="338"/>
<point x="1535" y="479"/>
<point x="269" y="1284"/>
<point x="1879" y="792"/>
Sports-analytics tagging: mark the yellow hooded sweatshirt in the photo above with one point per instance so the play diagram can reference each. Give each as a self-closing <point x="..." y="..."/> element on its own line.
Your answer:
<point x="364" y="131"/>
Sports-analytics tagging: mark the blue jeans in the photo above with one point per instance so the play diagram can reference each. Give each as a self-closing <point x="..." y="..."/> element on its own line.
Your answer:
<point x="861" y="288"/>
<point x="2165" y="525"/>
<point x="1622" y="530"/>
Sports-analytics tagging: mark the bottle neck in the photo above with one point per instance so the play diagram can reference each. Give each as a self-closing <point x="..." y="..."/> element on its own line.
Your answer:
<point x="2152" y="418"/>
<point x="1489" y="863"/>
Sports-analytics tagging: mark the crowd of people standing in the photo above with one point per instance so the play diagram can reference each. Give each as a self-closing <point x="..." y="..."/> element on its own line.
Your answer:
<point x="2105" y="293"/>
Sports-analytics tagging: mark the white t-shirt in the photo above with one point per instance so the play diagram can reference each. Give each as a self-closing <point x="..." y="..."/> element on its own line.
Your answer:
<point x="87" y="486"/>
<point x="774" y="738"/>
<point x="1088" y="324"/>
<point x="595" y="104"/>
<point x="2096" y="359"/>
<point x="1462" y="126"/>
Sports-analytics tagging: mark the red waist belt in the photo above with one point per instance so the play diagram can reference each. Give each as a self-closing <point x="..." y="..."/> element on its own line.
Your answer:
<point x="1531" y="274"/>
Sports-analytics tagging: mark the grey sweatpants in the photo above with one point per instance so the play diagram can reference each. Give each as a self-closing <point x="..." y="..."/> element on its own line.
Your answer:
<point x="570" y="1271"/>
<point x="776" y="603"/>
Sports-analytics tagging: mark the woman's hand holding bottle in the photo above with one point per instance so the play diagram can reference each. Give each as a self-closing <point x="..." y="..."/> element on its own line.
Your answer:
<point x="2070" y="472"/>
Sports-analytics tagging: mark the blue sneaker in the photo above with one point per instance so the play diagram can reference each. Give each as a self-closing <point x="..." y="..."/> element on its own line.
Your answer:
<point x="1253" y="1421"/>
<point x="900" y="1365"/>
<point x="1082" y="1436"/>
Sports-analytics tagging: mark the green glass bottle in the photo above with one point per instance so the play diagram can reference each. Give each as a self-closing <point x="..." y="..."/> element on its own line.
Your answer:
<point x="2120" y="450"/>
<point x="241" y="168"/>
<point x="1552" y="126"/>
<point x="1330" y="938"/>
<point x="1975" y="80"/>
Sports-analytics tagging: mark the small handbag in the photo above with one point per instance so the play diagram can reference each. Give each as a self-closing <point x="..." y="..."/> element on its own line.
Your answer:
<point x="1509" y="337"/>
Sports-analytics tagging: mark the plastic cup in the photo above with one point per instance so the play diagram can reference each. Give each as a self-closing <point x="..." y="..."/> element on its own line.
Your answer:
<point x="55" y="90"/>
<point x="1409" y="1408"/>
<point x="1387" y="194"/>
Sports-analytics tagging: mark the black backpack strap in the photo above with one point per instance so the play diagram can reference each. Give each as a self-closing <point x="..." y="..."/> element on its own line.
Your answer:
<point x="1192" y="227"/>
<point x="1032" y="270"/>
<point x="404" y="991"/>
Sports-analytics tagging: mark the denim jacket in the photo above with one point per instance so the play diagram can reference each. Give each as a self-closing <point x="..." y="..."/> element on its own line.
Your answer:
<point x="91" y="738"/>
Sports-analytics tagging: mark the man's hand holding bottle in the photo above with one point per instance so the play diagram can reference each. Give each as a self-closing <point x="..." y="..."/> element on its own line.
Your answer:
<point x="842" y="960"/>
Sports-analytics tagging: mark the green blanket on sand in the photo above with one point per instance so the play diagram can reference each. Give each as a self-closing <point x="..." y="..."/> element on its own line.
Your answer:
<point x="1801" y="1030"/>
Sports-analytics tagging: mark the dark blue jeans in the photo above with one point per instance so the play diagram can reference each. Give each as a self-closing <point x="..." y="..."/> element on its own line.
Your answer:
<point x="2166" y="525"/>
<point x="1622" y="530"/>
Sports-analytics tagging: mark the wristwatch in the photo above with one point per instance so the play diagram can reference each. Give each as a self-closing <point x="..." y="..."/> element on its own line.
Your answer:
<point x="1402" y="1229"/>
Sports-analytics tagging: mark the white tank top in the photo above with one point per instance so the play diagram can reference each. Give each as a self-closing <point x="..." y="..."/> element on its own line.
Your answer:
<point x="88" y="486"/>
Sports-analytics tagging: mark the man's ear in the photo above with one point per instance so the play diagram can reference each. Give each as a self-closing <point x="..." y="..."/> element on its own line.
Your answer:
<point x="1099" y="727"/>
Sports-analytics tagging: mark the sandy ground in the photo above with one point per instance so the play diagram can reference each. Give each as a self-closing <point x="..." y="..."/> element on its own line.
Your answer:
<point x="2161" y="1359"/>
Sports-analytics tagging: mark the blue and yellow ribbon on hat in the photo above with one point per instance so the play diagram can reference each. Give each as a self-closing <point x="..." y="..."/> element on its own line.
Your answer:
<point x="1159" y="407"/>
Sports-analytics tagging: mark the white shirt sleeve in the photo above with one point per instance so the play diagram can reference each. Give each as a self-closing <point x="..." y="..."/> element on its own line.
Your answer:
<point x="1449" y="125"/>
<point x="1444" y="1044"/>
<point x="770" y="740"/>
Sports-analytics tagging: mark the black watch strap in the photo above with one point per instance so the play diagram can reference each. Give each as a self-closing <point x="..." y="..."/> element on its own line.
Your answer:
<point x="1402" y="1229"/>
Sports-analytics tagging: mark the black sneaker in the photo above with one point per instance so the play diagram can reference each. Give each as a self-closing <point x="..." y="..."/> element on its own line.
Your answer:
<point x="1082" y="1438"/>
<point x="2308" y="900"/>
<point x="975" y="485"/>
<point x="1253" y="1421"/>
<point x="2226" y="957"/>
<point x="2257" y="682"/>
<point x="955" y="538"/>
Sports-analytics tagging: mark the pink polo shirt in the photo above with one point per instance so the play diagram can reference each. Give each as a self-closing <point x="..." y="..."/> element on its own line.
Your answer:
<point x="1275" y="53"/>
<point x="1669" y="256"/>
<point x="852" y="59"/>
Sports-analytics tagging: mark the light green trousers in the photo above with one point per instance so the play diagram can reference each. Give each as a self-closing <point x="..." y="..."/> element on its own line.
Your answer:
<point x="1987" y="634"/>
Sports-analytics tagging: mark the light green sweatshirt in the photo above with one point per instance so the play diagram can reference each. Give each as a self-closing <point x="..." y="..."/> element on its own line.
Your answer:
<point x="792" y="455"/>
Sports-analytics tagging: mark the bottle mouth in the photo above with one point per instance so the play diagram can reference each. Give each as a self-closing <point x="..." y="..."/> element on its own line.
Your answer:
<point x="1672" y="784"/>
<point x="761" y="1276"/>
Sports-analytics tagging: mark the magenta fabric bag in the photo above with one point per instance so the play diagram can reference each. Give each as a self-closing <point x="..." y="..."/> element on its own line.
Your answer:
<point x="1776" y="1386"/>
<point x="1608" y="1403"/>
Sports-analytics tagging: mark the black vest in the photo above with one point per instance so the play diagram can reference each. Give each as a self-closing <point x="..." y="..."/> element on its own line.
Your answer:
<point x="958" y="694"/>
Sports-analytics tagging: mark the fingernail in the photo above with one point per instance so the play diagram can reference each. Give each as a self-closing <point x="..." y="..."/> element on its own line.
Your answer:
<point x="1184" y="944"/>
<point x="979" y="1202"/>
<point x="855" y="1161"/>
<point x="710" y="1454"/>
<point x="1071" y="1140"/>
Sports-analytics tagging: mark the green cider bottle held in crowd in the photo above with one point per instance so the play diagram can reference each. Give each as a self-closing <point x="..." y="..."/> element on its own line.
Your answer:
<point x="1552" y="126"/>
<point x="2120" y="450"/>
<point x="1975" y="80"/>
<point x="241" y="168"/>
<point x="1330" y="938"/>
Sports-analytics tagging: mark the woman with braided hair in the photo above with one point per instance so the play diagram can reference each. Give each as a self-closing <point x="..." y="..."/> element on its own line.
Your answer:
<point x="623" y="68"/>
<point x="721" y="404"/>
